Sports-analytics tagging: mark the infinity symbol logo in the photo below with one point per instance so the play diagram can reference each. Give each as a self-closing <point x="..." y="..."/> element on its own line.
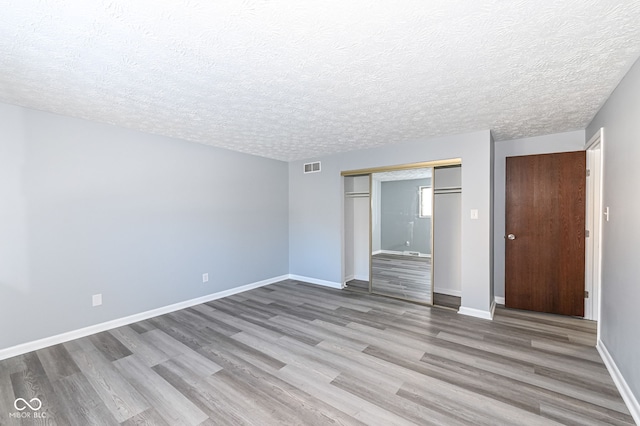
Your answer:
<point x="25" y="404"/>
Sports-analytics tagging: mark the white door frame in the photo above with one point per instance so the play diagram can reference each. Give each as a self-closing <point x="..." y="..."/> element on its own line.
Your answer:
<point x="593" y="247"/>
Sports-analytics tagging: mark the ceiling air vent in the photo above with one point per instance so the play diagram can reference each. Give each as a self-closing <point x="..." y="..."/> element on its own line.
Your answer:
<point x="312" y="167"/>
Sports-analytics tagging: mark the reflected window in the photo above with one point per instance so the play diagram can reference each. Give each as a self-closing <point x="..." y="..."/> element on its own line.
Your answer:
<point x="426" y="197"/>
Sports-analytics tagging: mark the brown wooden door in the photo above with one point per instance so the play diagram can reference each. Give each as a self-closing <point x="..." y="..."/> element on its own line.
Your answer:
<point x="545" y="213"/>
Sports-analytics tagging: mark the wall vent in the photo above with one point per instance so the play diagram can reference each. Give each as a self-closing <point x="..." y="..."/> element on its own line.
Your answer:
<point x="312" y="167"/>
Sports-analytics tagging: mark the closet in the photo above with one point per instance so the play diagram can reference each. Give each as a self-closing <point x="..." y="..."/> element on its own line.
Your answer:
<point x="447" y="236"/>
<point x="402" y="232"/>
<point x="356" y="232"/>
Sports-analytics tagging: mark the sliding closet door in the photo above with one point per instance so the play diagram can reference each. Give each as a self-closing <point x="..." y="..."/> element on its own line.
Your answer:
<point x="401" y="234"/>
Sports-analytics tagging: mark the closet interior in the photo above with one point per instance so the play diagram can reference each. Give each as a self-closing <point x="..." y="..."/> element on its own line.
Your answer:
<point x="402" y="235"/>
<point x="356" y="232"/>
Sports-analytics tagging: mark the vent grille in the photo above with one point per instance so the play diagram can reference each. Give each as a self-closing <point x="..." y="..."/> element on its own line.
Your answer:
<point x="312" y="167"/>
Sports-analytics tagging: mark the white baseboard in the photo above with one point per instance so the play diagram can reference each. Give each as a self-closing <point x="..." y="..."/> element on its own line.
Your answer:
<point x="119" y="322"/>
<point x="478" y="313"/>
<point x="625" y="391"/>
<point x="448" y="292"/>
<point x="310" y="280"/>
<point x="413" y="253"/>
<point x="401" y="253"/>
<point x="398" y="253"/>
<point x="499" y="300"/>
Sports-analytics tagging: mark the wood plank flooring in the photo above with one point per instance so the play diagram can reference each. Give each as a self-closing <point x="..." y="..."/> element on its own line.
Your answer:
<point x="439" y="299"/>
<point x="357" y="285"/>
<point x="294" y="353"/>
<point x="447" y="301"/>
<point x="404" y="277"/>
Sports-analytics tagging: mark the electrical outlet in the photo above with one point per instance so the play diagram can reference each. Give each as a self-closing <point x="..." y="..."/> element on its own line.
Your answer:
<point x="97" y="299"/>
<point x="205" y="277"/>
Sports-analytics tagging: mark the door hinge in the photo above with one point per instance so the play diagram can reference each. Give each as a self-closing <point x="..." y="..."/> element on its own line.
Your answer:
<point x="588" y="172"/>
<point x="586" y="233"/>
<point x="586" y="294"/>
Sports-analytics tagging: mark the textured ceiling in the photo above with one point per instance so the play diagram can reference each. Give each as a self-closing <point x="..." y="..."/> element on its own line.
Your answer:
<point x="402" y="175"/>
<point x="293" y="79"/>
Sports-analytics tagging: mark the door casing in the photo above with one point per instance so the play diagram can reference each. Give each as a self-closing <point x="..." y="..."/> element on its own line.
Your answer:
<point x="594" y="218"/>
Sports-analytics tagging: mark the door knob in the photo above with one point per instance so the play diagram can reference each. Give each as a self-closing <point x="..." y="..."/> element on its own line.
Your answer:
<point x="511" y="237"/>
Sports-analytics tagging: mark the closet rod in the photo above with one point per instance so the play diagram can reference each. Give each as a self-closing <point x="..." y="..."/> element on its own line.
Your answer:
<point x="448" y="191"/>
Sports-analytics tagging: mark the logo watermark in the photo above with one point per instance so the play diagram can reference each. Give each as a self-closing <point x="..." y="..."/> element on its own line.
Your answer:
<point x="34" y="405"/>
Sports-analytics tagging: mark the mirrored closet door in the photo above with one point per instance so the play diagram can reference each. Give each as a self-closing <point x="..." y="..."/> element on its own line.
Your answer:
<point x="401" y="234"/>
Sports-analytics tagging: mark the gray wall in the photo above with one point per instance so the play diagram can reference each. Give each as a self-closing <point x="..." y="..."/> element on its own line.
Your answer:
<point x="90" y="208"/>
<point x="559" y="142"/>
<point x="400" y="204"/>
<point x="316" y="208"/>
<point x="619" y="315"/>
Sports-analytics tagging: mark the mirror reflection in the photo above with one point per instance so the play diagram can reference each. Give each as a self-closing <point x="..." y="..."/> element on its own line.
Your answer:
<point x="401" y="234"/>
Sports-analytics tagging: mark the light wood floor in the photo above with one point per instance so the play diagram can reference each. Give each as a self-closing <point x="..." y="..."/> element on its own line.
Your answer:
<point x="447" y="301"/>
<point x="405" y="277"/>
<point x="439" y="299"/>
<point x="293" y="353"/>
<point x="357" y="285"/>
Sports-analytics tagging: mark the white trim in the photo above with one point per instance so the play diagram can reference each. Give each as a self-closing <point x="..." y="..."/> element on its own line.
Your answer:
<point x="625" y="391"/>
<point x="396" y="252"/>
<point x="448" y="292"/>
<point x="412" y="253"/>
<point x="593" y="244"/>
<point x="478" y="313"/>
<point x="499" y="300"/>
<point x="349" y="278"/>
<point x="35" y="345"/>
<point x="595" y="139"/>
<point x="402" y="253"/>
<point x="310" y="280"/>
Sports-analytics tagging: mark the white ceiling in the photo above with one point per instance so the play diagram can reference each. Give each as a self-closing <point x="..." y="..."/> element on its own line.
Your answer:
<point x="402" y="175"/>
<point x="292" y="79"/>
